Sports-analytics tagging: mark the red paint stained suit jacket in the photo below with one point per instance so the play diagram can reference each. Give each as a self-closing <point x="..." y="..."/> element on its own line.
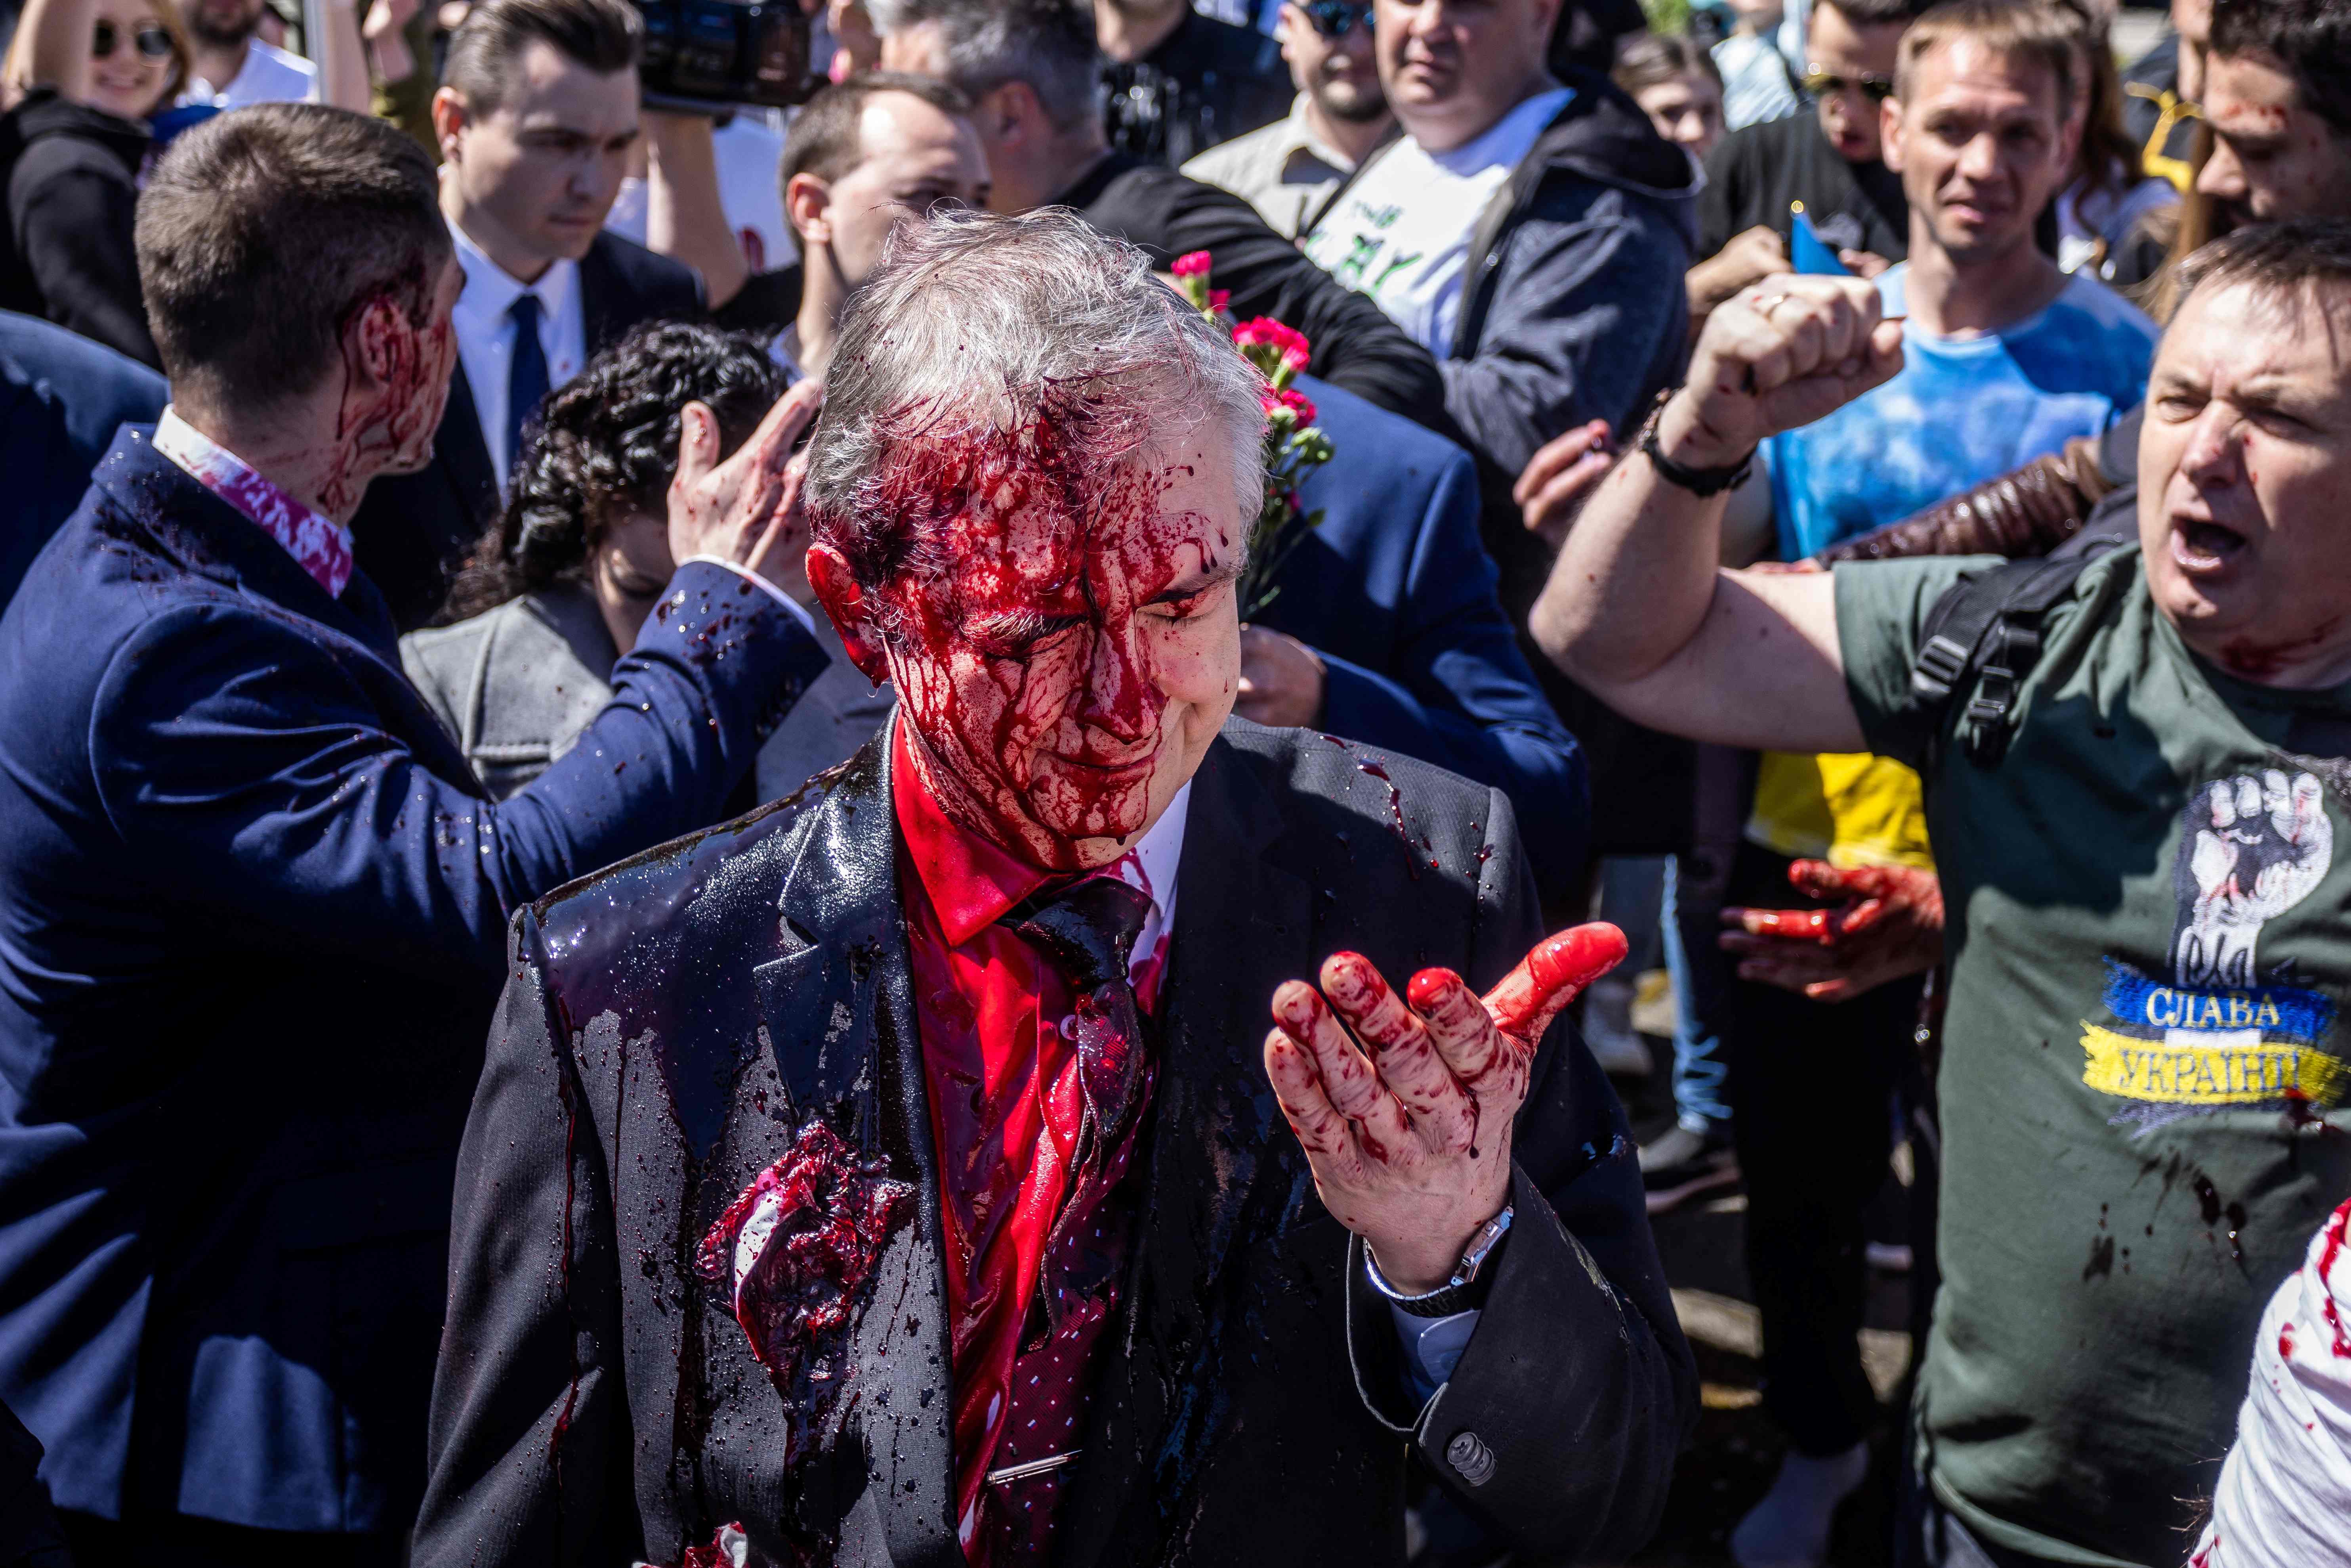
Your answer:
<point x="671" y="1024"/>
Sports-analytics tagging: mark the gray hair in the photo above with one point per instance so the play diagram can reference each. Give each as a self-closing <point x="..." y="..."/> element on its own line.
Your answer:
<point x="1048" y="44"/>
<point x="985" y="349"/>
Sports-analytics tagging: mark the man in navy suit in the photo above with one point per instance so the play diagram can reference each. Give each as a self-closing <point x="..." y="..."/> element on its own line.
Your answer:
<point x="536" y="118"/>
<point x="251" y="898"/>
<point x="1386" y="628"/>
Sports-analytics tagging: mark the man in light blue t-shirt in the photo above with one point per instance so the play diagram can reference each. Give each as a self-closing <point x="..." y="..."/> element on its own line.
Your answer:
<point x="2005" y="356"/>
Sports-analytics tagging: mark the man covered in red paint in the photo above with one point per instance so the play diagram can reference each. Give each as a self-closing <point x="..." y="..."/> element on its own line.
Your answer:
<point x="901" y="1173"/>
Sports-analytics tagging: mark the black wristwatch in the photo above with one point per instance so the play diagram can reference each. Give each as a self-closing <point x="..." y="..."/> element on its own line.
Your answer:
<point x="1696" y="481"/>
<point x="1472" y="1277"/>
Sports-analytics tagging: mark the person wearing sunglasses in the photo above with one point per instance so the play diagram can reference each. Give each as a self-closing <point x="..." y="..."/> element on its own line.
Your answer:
<point x="1288" y="169"/>
<point x="1826" y="158"/>
<point x="72" y="148"/>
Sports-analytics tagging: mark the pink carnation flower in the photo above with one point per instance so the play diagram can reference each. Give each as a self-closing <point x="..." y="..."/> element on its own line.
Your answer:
<point x="1191" y="263"/>
<point x="1287" y="343"/>
<point x="1296" y="402"/>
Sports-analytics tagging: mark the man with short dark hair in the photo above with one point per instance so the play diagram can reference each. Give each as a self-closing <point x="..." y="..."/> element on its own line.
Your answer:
<point x="2143" y="1071"/>
<point x="2277" y="94"/>
<point x="251" y="893"/>
<point x="862" y="157"/>
<point x="535" y="116"/>
<point x="1288" y="169"/>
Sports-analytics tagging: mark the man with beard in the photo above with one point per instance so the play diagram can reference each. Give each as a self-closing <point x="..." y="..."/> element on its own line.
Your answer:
<point x="1288" y="170"/>
<point x="890" y="1175"/>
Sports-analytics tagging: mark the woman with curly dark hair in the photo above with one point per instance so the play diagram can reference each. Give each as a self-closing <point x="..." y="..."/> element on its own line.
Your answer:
<point x="562" y="581"/>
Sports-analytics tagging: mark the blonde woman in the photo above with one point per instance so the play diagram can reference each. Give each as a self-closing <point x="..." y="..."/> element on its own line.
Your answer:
<point x="80" y="79"/>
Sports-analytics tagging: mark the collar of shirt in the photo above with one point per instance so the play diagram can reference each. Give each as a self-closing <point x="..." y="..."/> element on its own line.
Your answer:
<point x="1298" y="136"/>
<point x="971" y="881"/>
<point x="318" y="544"/>
<point x="485" y="333"/>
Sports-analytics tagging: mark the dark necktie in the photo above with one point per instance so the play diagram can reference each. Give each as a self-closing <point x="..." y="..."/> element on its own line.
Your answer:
<point x="1089" y="931"/>
<point x="526" y="375"/>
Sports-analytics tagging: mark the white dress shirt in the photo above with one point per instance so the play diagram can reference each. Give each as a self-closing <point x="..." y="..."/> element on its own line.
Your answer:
<point x="269" y="75"/>
<point x="485" y="335"/>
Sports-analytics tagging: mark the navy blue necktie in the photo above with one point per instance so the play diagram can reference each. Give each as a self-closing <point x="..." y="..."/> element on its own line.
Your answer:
<point x="526" y="375"/>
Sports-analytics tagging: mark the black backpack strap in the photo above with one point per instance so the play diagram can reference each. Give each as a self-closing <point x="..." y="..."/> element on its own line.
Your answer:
<point x="1983" y="638"/>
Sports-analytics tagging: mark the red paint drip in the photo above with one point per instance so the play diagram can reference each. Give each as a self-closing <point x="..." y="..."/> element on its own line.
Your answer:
<point x="2285" y="1341"/>
<point x="797" y="1248"/>
<point x="2327" y="1256"/>
<point x="1396" y="820"/>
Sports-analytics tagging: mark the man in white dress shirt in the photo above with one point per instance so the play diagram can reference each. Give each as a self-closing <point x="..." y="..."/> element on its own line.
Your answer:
<point x="536" y="117"/>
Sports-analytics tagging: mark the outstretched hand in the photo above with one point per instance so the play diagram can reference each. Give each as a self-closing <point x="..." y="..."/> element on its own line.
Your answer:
<point x="1404" y="1105"/>
<point x="746" y="510"/>
<point x="1782" y="354"/>
<point x="1888" y="925"/>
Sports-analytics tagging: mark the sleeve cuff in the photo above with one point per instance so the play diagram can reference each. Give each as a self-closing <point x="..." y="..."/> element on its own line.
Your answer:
<point x="1432" y="1347"/>
<point x="799" y="611"/>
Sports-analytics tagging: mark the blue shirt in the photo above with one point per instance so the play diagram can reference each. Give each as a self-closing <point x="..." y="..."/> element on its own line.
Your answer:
<point x="1959" y="412"/>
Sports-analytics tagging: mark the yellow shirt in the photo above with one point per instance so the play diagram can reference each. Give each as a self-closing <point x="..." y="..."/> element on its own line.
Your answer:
<point x="1849" y="809"/>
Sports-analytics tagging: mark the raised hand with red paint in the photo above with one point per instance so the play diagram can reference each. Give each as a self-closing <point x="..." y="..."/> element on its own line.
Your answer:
<point x="1887" y="923"/>
<point x="748" y="509"/>
<point x="1404" y="1105"/>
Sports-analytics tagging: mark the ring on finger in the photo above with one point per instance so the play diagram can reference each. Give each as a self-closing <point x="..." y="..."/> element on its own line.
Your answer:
<point x="1767" y="303"/>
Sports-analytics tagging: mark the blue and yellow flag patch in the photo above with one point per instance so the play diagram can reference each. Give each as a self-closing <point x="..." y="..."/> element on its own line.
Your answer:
<point x="2194" y="1047"/>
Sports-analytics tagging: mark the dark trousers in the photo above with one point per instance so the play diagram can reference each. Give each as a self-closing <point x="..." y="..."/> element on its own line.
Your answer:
<point x="185" y="1542"/>
<point x="1812" y="1096"/>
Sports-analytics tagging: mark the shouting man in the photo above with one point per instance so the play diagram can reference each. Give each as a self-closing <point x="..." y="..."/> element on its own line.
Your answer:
<point x="896" y="1175"/>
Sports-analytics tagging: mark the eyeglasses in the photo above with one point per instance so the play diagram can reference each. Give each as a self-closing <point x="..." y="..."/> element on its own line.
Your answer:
<point x="1821" y="84"/>
<point x="1337" y="18"/>
<point x="151" y="41"/>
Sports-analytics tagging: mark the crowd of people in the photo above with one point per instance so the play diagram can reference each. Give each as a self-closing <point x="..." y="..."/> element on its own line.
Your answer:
<point x="605" y="701"/>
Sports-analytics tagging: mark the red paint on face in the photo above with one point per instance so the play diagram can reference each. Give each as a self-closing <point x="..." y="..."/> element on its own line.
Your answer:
<point x="797" y="1248"/>
<point x="1061" y="634"/>
<point x="2252" y="659"/>
<point x="405" y="338"/>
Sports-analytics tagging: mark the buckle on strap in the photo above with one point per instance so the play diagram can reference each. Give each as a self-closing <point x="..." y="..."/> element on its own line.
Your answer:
<point x="1939" y="665"/>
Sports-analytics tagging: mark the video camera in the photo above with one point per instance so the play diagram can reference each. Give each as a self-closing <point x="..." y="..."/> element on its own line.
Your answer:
<point x="706" y="55"/>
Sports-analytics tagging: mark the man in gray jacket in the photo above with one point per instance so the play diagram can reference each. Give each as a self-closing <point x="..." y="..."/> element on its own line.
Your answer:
<point x="1530" y="228"/>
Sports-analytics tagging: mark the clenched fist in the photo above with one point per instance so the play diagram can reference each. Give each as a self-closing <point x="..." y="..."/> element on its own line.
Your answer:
<point x="1779" y="355"/>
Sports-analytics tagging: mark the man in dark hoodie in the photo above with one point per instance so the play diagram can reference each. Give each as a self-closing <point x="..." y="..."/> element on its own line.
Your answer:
<point x="1530" y="228"/>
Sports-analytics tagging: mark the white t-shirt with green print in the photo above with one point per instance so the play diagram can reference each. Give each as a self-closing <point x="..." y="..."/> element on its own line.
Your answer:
<point x="1400" y="233"/>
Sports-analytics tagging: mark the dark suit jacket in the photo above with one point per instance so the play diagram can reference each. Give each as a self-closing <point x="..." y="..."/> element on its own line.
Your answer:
<point x="669" y="1024"/>
<point x="414" y="529"/>
<point x="251" y="900"/>
<point x="62" y="397"/>
<point x="1398" y="594"/>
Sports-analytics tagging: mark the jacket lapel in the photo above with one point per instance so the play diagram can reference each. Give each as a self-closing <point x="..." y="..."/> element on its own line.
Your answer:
<point x="601" y="296"/>
<point x="841" y="1029"/>
<point x="465" y="458"/>
<point x="1225" y="1173"/>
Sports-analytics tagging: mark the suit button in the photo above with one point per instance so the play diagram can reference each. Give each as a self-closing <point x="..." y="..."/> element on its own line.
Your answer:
<point x="1473" y="1459"/>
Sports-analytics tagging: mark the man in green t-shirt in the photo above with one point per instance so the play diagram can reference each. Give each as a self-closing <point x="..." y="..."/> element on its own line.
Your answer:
<point x="2143" y="1069"/>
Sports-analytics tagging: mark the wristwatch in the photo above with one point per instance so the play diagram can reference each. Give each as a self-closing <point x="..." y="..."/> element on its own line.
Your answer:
<point x="1472" y="1277"/>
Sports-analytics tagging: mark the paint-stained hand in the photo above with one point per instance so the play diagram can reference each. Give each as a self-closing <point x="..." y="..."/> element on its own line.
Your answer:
<point x="746" y="510"/>
<point x="1405" y="1103"/>
<point x="1886" y="924"/>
